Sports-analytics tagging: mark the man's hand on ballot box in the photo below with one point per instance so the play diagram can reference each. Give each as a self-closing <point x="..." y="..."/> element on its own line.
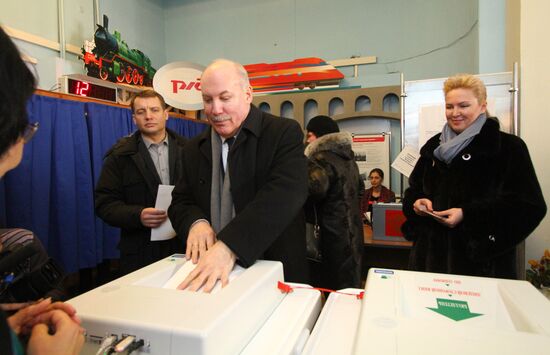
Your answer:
<point x="201" y="238"/>
<point x="214" y="264"/>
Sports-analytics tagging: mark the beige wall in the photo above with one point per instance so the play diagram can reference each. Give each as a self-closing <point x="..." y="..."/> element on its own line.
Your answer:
<point x="512" y="51"/>
<point x="535" y="105"/>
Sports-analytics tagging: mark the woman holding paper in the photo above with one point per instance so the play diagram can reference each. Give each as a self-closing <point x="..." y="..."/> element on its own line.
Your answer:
<point x="465" y="209"/>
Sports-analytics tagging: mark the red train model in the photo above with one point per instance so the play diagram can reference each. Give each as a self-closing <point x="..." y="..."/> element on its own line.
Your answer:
<point x="298" y="74"/>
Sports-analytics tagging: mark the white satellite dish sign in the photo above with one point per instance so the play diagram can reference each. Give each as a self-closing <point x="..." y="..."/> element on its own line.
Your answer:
<point x="179" y="84"/>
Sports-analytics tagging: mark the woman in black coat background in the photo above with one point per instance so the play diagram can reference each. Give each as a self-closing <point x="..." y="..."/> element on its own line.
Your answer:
<point x="335" y="191"/>
<point x="473" y="193"/>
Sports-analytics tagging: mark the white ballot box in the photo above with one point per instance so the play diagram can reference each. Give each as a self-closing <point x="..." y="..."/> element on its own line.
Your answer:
<point x="407" y="312"/>
<point x="248" y="314"/>
<point x="334" y="332"/>
<point x="288" y="328"/>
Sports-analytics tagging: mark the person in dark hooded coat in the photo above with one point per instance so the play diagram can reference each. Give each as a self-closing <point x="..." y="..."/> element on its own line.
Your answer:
<point x="335" y="193"/>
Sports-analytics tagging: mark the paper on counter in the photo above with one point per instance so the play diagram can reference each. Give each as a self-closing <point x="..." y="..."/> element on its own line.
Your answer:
<point x="186" y="268"/>
<point x="368" y="217"/>
<point x="165" y="230"/>
<point x="406" y="160"/>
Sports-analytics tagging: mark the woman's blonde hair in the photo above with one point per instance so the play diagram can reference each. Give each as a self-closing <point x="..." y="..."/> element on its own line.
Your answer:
<point x="467" y="81"/>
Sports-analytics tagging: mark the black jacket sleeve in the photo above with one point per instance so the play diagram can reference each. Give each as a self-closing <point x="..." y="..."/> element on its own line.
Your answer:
<point x="109" y="198"/>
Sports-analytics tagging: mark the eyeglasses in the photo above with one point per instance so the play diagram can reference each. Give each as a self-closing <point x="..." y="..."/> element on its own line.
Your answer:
<point x="29" y="132"/>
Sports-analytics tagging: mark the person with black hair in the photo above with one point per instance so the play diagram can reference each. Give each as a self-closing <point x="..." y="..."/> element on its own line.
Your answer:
<point x="53" y="328"/>
<point x="335" y="191"/>
<point x="377" y="192"/>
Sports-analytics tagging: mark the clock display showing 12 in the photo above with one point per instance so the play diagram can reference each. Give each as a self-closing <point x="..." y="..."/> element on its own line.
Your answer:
<point x="86" y="89"/>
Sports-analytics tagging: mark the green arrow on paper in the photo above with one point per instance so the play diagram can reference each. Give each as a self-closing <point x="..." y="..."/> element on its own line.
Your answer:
<point x="453" y="309"/>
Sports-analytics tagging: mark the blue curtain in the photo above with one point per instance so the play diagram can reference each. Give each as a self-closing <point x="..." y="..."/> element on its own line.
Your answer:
<point x="106" y="124"/>
<point x="185" y="128"/>
<point x="51" y="191"/>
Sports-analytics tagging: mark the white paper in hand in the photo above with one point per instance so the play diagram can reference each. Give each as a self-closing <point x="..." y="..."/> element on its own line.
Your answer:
<point x="164" y="198"/>
<point x="186" y="268"/>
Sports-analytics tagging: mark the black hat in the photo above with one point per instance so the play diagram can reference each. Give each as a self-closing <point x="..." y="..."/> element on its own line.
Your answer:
<point x="321" y="125"/>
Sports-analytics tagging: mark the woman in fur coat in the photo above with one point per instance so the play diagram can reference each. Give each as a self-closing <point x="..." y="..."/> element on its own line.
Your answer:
<point x="473" y="193"/>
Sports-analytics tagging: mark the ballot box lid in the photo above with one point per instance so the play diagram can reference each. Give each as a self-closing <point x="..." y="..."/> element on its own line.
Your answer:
<point x="406" y="312"/>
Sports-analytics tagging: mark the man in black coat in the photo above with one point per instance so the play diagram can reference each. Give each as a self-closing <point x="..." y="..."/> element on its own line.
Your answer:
<point x="243" y="200"/>
<point x="127" y="188"/>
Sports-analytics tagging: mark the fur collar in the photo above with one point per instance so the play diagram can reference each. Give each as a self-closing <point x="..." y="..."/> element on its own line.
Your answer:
<point x="338" y="143"/>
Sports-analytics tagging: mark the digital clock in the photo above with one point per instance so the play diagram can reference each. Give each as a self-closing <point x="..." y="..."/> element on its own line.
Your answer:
<point x="87" y="89"/>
